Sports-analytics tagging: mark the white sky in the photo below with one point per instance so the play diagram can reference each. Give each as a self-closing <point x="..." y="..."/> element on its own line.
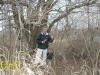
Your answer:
<point x="72" y="0"/>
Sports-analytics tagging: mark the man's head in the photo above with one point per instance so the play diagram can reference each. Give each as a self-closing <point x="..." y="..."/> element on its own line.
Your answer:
<point x="45" y="28"/>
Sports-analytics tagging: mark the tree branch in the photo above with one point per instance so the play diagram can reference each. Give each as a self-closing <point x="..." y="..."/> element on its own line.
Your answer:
<point x="12" y="2"/>
<point x="69" y="11"/>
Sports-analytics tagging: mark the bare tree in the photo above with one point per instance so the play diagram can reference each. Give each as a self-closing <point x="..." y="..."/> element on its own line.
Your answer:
<point x="37" y="16"/>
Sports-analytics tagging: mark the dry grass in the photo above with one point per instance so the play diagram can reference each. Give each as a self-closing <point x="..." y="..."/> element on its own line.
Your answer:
<point x="74" y="54"/>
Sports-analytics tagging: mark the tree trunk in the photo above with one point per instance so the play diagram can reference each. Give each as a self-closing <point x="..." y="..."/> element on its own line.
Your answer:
<point x="34" y="32"/>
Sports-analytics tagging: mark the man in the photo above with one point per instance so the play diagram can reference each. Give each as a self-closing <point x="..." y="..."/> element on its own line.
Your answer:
<point x="43" y="41"/>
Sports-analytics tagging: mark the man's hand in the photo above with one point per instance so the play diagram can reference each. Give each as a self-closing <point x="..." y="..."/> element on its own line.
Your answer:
<point x="44" y="41"/>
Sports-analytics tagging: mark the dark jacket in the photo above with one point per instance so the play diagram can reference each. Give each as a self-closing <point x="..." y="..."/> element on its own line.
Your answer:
<point x="42" y="37"/>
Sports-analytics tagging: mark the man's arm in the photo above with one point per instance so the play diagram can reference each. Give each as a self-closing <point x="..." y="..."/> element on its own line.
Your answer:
<point x="39" y="41"/>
